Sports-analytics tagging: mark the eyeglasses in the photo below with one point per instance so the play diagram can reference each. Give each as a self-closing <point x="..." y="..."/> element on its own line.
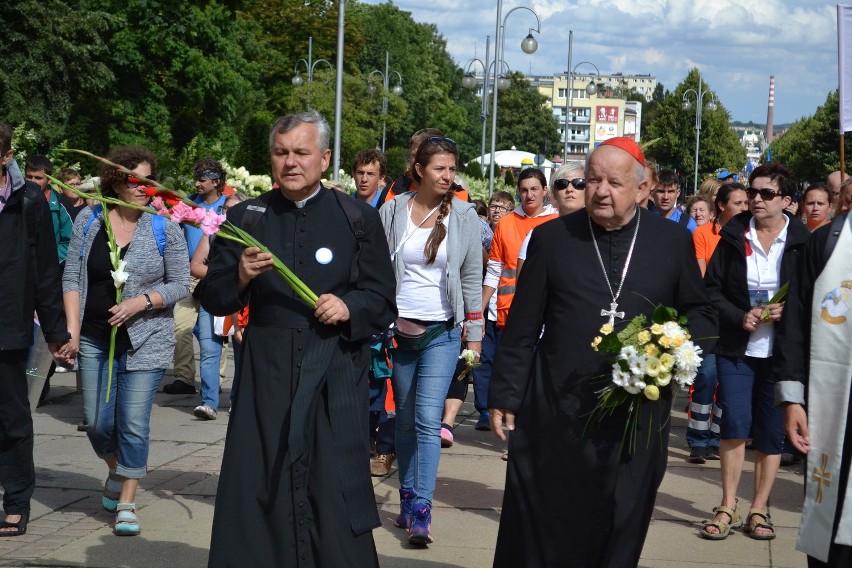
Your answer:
<point x="765" y="194"/>
<point x="577" y="183"/>
<point x="439" y="139"/>
<point x="132" y="182"/>
<point x="499" y="208"/>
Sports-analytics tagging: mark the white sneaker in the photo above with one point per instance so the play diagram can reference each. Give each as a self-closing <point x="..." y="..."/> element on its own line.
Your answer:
<point x="205" y="412"/>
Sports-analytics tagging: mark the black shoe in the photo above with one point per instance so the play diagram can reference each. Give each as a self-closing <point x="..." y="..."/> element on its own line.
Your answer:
<point x="712" y="454"/>
<point x="788" y="458"/>
<point x="697" y="455"/>
<point x="179" y="387"/>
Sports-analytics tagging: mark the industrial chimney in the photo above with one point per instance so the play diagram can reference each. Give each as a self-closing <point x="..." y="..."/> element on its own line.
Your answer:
<point x="769" y="112"/>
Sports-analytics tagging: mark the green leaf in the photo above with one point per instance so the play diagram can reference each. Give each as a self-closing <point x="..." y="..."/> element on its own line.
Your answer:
<point x="662" y="314"/>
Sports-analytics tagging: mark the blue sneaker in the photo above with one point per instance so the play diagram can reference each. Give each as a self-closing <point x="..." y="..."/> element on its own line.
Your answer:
<point x="421" y="522"/>
<point x="484" y="422"/>
<point x="406" y="506"/>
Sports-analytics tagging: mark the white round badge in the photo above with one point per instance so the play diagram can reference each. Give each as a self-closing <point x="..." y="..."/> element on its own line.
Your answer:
<point x="323" y="255"/>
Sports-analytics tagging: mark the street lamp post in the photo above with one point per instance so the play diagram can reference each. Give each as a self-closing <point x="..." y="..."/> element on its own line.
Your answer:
<point x="397" y="90"/>
<point x="699" y="105"/>
<point x="310" y="66"/>
<point x="528" y="45"/>
<point x="591" y="89"/>
<point x="469" y="82"/>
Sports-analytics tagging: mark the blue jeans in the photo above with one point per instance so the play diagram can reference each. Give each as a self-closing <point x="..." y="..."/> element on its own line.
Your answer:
<point x="210" y="346"/>
<point x="119" y="428"/>
<point x="420" y="382"/>
<point x="702" y="429"/>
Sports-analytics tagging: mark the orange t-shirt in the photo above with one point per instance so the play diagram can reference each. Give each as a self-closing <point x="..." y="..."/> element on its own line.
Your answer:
<point x="509" y="235"/>
<point x="706" y="238"/>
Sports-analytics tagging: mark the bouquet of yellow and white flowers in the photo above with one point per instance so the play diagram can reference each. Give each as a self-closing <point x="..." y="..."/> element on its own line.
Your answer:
<point x="646" y="359"/>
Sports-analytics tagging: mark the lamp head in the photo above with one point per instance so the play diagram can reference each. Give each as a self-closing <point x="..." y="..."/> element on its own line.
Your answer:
<point x="503" y="83"/>
<point x="591" y="88"/>
<point x="686" y="104"/>
<point x="371" y="89"/>
<point x="529" y="45"/>
<point x="468" y="82"/>
<point x="397" y="90"/>
<point x="711" y="106"/>
<point x="297" y="81"/>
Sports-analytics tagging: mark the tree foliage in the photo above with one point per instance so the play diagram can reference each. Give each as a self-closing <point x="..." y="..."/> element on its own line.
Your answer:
<point x="523" y="119"/>
<point x="674" y="127"/>
<point x="811" y="146"/>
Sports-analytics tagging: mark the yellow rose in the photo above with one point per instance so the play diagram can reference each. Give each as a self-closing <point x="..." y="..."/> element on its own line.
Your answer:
<point x="657" y="329"/>
<point x="606" y="329"/>
<point x="651" y="350"/>
<point x="667" y="361"/>
<point x="664" y="378"/>
<point x="652" y="392"/>
<point x="652" y="367"/>
<point x="677" y="342"/>
<point x="644" y="337"/>
<point x="665" y="342"/>
<point x="596" y="342"/>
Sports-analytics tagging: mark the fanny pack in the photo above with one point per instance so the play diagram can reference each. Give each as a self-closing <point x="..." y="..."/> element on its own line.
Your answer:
<point x="416" y="336"/>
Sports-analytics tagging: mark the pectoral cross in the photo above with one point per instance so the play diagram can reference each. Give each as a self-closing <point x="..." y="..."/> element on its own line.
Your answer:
<point x="613" y="313"/>
<point x="822" y="477"/>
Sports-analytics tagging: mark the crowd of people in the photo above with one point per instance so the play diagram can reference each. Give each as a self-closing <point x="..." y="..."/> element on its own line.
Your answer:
<point x="418" y="291"/>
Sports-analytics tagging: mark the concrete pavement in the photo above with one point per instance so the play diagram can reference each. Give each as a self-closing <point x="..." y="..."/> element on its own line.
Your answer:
<point x="175" y="502"/>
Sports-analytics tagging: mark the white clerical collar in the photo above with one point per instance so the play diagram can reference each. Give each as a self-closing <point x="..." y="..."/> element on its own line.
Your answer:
<point x="301" y="204"/>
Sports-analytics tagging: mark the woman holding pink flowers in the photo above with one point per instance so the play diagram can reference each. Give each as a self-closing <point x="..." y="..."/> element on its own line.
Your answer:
<point x="145" y="256"/>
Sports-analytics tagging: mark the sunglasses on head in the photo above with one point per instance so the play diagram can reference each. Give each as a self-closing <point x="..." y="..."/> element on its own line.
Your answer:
<point x="765" y="194"/>
<point x="133" y="182"/>
<point x="576" y="183"/>
<point x="439" y="139"/>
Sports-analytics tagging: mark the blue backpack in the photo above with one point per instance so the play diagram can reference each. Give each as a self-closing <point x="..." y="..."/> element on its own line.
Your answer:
<point x="158" y="225"/>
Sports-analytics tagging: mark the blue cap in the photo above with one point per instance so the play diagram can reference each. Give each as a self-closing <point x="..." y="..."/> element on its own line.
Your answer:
<point x="725" y="174"/>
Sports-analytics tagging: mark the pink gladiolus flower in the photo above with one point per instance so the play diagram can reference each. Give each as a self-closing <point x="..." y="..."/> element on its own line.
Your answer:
<point x="211" y="222"/>
<point x="182" y="212"/>
<point x="197" y="215"/>
<point x="157" y="203"/>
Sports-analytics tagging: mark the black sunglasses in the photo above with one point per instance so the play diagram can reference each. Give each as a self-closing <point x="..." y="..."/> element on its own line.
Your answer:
<point x="439" y="139"/>
<point x="577" y="183"/>
<point x="765" y="194"/>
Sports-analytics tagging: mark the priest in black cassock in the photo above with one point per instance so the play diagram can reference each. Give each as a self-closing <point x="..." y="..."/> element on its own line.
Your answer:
<point x="295" y="488"/>
<point x="574" y="498"/>
<point x="813" y="359"/>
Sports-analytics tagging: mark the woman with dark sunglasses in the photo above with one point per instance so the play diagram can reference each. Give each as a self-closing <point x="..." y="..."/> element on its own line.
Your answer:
<point x="157" y="268"/>
<point x="753" y="260"/>
<point x="567" y="193"/>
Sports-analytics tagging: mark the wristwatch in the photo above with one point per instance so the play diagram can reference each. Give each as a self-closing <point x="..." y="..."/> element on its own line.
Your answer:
<point x="149" y="305"/>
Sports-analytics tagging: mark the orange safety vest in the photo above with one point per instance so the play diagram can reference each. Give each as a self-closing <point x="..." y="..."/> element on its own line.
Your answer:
<point x="405" y="183"/>
<point x="509" y="235"/>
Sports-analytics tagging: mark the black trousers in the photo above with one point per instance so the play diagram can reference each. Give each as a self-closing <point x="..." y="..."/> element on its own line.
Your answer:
<point x="17" y="472"/>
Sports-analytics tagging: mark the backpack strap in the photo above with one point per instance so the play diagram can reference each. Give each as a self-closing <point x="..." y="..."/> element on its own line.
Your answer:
<point x="356" y="224"/>
<point x="158" y="225"/>
<point x="96" y="210"/>
<point x="255" y="210"/>
<point x="684" y="219"/>
<point x="834" y="234"/>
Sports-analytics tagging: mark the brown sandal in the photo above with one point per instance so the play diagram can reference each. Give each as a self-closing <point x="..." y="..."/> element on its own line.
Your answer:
<point x="752" y="526"/>
<point x="721" y="526"/>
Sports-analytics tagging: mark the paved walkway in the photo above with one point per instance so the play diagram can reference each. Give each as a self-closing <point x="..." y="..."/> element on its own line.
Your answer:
<point x="69" y="528"/>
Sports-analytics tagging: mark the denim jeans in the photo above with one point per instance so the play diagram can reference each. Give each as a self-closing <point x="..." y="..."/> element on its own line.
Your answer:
<point x="119" y="428"/>
<point x="702" y="429"/>
<point x="210" y="346"/>
<point x="420" y="382"/>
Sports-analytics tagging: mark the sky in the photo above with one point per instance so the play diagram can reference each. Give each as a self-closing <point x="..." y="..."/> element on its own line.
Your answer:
<point x="736" y="44"/>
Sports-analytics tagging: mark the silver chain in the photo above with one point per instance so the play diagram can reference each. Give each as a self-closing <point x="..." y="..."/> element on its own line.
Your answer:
<point x="617" y="293"/>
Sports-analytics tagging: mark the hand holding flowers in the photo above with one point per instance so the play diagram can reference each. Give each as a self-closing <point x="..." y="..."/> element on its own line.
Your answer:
<point x="645" y="362"/>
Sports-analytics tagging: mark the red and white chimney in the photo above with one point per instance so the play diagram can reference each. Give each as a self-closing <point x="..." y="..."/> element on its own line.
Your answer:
<point x="770" y="110"/>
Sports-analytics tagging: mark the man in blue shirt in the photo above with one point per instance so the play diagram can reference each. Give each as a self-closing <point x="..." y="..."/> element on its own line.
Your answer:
<point x="368" y="169"/>
<point x="665" y="198"/>
<point x="190" y="317"/>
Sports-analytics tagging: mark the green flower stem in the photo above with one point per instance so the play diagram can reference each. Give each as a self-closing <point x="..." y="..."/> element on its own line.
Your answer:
<point x="115" y="254"/>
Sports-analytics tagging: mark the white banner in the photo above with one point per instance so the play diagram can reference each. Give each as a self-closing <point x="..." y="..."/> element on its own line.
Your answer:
<point x="844" y="64"/>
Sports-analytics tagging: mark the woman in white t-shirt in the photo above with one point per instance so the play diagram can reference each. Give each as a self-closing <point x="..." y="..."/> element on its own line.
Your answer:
<point x="437" y="257"/>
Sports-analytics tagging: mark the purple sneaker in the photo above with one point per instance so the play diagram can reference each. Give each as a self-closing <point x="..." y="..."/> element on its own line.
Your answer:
<point x="419" y="533"/>
<point x="406" y="507"/>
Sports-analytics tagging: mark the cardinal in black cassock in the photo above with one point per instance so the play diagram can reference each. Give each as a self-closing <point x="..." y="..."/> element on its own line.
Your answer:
<point x="295" y="487"/>
<point x="574" y="498"/>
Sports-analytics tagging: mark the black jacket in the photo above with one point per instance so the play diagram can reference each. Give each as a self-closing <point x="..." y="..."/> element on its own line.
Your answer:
<point x="30" y="278"/>
<point x="727" y="284"/>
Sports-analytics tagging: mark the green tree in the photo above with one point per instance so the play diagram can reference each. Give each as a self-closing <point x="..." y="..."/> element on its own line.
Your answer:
<point x="54" y="58"/>
<point x="674" y="127"/>
<point x="811" y="146"/>
<point x="524" y="120"/>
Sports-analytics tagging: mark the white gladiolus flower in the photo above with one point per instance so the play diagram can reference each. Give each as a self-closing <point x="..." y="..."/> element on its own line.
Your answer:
<point x="119" y="276"/>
